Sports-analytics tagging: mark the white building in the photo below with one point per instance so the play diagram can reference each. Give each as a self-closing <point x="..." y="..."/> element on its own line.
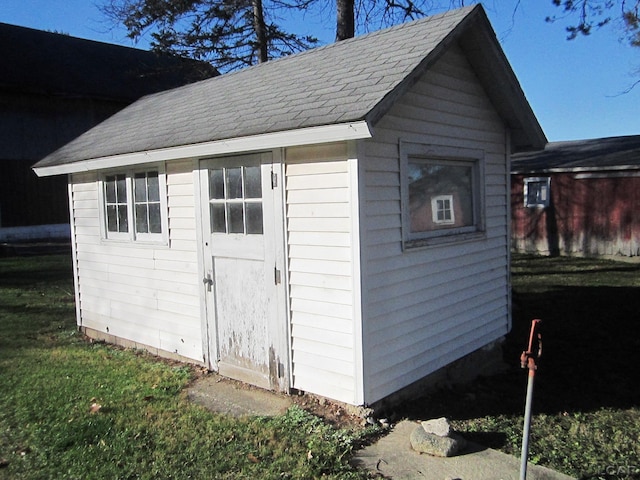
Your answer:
<point x="335" y="221"/>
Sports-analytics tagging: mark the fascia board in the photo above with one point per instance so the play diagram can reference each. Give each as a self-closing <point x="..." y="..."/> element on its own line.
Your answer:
<point x="304" y="136"/>
<point x="620" y="168"/>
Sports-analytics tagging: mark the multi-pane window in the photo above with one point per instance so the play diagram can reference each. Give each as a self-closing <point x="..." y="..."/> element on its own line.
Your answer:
<point x="536" y="191"/>
<point x="117" y="210"/>
<point x="235" y="200"/>
<point x="442" y="209"/>
<point x="147" y="202"/>
<point x="134" y="206"/>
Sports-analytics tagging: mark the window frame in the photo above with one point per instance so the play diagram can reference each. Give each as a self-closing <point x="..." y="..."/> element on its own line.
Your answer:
<point x="133" y="236"/>
<point x="537" y="180"/>
<point x="245" y="200"/>
<point x="456" y="156"/>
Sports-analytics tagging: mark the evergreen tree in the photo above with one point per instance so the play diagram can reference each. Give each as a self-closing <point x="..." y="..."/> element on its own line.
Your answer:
<point x="229" y="34"/>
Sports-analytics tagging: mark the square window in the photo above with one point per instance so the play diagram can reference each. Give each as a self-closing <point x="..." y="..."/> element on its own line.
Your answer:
<point x="537" y="191"/>
<point x="442" y="194"/>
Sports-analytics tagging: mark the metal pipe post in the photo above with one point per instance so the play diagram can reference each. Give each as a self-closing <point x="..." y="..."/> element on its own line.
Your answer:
<point x="528" y="360"/>
<point x="524" y="455"/>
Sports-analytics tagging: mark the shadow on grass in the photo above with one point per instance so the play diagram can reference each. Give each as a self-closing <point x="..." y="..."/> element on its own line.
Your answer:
<point x="591" y="336"/>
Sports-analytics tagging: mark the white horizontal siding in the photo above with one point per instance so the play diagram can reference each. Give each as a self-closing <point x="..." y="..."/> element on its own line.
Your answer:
<point x="427" y="307"/>
<point x="143" y="293"/>
<point x="320" y="262"/>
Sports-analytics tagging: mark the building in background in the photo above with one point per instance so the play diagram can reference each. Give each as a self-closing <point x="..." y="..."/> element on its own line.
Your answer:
<point x="54" y="87"/>
<point x="578" y="198"/>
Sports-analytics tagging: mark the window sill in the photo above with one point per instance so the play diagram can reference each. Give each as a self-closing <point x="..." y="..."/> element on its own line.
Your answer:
<point x="443" y="240"/>
<point x="161" y="242"/>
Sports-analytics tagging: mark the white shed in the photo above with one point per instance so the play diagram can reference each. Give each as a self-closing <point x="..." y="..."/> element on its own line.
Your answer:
<point x="335" y="222"/>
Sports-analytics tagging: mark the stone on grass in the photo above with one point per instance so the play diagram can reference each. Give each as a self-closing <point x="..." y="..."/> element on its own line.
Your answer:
<point x="424" y="442"/>
<point x="437" y="426"/>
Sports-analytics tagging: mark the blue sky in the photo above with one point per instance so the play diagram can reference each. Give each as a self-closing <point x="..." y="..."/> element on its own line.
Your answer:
<point x="575" y="87"/>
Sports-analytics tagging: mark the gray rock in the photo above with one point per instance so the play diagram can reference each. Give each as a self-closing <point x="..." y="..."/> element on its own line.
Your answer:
<point x="437" y="426"/>
<point x="436" y="445"/>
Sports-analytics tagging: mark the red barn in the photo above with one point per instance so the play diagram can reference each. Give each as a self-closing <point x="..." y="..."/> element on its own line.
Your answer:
<point x="578" y="198"/>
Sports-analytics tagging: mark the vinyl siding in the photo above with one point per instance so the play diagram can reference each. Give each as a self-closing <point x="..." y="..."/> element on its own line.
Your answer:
<point x="143" y="293"/>
<point x="426" y="307"/>
<point x="320" y="259"/>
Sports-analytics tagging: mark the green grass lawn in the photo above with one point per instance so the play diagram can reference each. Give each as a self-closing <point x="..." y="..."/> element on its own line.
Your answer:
<point x="74" y="410"/>
<point x="586" y="403"/>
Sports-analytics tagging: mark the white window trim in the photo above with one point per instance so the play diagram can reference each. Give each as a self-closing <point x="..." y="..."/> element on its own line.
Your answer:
<point x="442" y="154"/>
<point x="131" y="236"/>
<point x="542" y="204"/>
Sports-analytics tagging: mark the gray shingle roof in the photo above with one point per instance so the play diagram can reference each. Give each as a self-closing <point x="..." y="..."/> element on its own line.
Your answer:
<point x="592" y="154"/>
<point x="353" y="80"/>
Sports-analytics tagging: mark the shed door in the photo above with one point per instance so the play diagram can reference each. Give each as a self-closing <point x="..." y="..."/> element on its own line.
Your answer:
<point x="243" y="248"/>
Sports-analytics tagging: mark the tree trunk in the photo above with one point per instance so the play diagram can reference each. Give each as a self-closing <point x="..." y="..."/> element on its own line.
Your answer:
<point x="261" y="31"/>
<point x="345" y="25"/>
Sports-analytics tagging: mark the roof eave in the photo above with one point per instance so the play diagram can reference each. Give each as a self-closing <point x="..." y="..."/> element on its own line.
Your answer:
<point x="501" y="84"/>
<point x="389" y="100"/>
<point x="615" y="168"/>
<point x="304" y="136"/>
<point x="476" y="36"/>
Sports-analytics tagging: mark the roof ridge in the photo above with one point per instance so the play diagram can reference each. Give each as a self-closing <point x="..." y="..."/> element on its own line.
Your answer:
<point x="461" y="12"/>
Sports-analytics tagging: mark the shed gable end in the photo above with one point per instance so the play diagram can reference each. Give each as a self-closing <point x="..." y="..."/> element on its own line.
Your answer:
<point x="426" y="307"/>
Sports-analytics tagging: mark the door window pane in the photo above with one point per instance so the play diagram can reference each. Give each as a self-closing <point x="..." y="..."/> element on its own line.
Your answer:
<point x="216" y="184"/>
<point x="254" y="218"/>
<point x="253" y="182"/>
<point x="218" y="223"/>
<point x="234" y="183"/>
<point x="236" y="217"/>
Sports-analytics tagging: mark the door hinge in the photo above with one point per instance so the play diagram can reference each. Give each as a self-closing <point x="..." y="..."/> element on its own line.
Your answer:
<point x="277" y="276"/>
<point x="274" y="180"/>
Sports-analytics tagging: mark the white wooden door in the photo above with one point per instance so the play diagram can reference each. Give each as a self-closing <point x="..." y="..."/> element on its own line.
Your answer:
<point x="243" y="250"/>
